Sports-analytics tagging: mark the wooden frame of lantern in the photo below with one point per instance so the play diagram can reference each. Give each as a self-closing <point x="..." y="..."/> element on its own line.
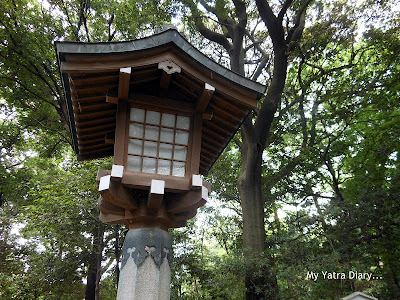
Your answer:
<point x="156" y="148"/>
<point x="163" y="110"/>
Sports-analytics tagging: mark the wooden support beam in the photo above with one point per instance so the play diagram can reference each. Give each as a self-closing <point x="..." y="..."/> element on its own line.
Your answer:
<point x="115" y="193"/>
<point x="112" y="99"/>
<point x="164" y="84"/>
<point x="100" y="148"/>
<point x="109" y="208"/>
<point x="187" y="201"/>
<point x="156" y="193"/>
<point x="81" y="107"/>
<point x="111" y="218"/>
<point x="120" y="132"/>
<point x="97" y="134"/>
<point x="86" y="100"/>
<point x="208" y="159"/>
<point x="208" y="114"/>
<point x="205" y="149"/>
<point x="88" y="124"/>
<point x="95" y="66"/>
<point x="240" y="96"/>
<point x="91" y="80"/>
<point x="186" y="215"/>
<point x="142" y="181"/>
<point x="124" y="80"/>
<point x="153" y="102"/>
<point x="94" y="89"/>
<point x="217" y="128"/>
<point x="205" y="98"/>
<point x="159" y="103"/>
<point x="186" y="89"/>
<point x="219" y="137"/>
<point x="226" y="114"/>
<point x="196" y="144"/>
<point x="94" y="155"/>
<point x="94" y="114"/>
<point x="225" y="122"/>
<point x="105" y="125"/>
<point x="213" y="143"/>
<point x="86" y="148"/>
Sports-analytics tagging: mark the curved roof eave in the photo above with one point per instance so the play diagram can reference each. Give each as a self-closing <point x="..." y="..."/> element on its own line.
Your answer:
<point x="171" y="35"/>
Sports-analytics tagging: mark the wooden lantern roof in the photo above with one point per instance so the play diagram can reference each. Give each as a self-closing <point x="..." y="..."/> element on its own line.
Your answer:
<point x="93" y="81"/>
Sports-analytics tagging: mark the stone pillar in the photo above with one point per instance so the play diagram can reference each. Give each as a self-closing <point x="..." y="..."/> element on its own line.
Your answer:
<point x="146" y="265"/>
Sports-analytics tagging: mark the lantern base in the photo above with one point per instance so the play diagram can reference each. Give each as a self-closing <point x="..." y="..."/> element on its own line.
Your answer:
<point x="154" y="203"/>
<point x="145" y="269"/>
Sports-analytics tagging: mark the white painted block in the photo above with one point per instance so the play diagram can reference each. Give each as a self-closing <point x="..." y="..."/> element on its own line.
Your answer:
<point x="197" y="181"/>
<point x="169" y="67"/>
<point x="204" y="193"/>
<point x="117" y="171"/>
<point x="104" y="183"/>
<point x="209" y="87"/>
<point x="157" y="187"/>
<point x="125" y="70"/>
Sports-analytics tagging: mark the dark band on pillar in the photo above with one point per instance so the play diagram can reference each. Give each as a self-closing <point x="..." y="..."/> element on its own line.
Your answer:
<point x="140" y="243"/>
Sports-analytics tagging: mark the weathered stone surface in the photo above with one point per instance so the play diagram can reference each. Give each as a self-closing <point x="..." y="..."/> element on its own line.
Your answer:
<point x="145" y="270"/>
<point x="143" y="242"/>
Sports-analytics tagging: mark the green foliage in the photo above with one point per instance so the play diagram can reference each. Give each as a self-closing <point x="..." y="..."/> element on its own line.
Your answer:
<point x="58" y="215"/>
<point x="202" y="268"/>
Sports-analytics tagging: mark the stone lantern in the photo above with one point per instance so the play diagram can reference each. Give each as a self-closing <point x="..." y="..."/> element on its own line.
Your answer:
<point x="165" y="112"/>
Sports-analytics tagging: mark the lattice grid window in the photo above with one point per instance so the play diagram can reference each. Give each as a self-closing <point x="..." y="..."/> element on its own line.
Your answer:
<point x="158" y="142"/>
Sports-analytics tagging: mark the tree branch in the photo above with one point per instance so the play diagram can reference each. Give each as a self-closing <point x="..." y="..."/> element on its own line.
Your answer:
<point x="284" y="9"/>
<point x="207" y="33"/>
<point x="211" y="35"/>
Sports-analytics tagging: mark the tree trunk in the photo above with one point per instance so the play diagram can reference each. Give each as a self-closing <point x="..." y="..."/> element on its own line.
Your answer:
<point x="91" y="281"/>
<point x="99" y="246"/>
<point x="260" y="280"/>
<point x="94" y="270"/>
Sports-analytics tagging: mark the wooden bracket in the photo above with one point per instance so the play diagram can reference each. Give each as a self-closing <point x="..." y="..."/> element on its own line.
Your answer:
<point x="115" y="193"/>
<point x="186" y="215"/>
<point x="124" y="80"/>
<point x="111" y="218"/>
<point x="205" y="98"/>
<point x="164" y="84"/>
<point x="156" y="193"/>
<point x="109" y="208"/>
<point x="187" y="201"/>
<point x="169" y="67"/>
